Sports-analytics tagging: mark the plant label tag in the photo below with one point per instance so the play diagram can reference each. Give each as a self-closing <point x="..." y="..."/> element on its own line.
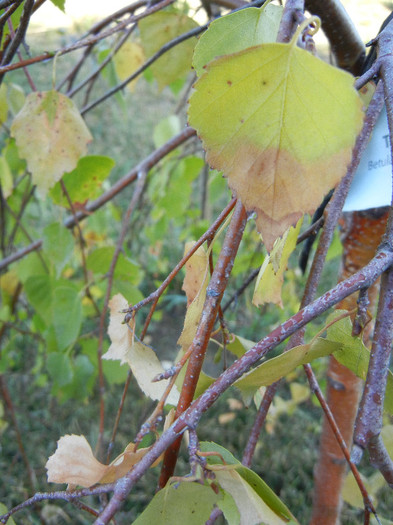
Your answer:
<point x="372" y="184"/>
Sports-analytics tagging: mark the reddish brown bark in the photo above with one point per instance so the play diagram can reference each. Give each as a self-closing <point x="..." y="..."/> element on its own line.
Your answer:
<point x="363" y="232"/>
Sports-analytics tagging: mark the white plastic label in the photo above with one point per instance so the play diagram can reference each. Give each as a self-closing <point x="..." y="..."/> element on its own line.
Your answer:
<point x="372" y="184"/>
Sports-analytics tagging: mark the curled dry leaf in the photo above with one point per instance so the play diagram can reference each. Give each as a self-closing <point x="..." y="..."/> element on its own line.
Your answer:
<point x="142" y="360"/>
<point x="74" y="463"/>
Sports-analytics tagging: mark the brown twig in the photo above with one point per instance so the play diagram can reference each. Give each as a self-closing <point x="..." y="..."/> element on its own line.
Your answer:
<point x="214" y="293"/>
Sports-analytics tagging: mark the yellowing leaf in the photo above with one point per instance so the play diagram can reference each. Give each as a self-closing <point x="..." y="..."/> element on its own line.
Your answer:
<point x="261" y="496"/>
<point x="273" y="369"/>
<point x="141" y="358"/>
<point x="74" y="463"/>
<point x="280" y="124"/>
<point x="354" y="354"/>
<point x="237" y="31"/>
<point x="196" y="282"/>
<point x="3" y="103"/>
<point x="195" y="272"/>
<point x="158" y="29"/>
<point x="51" y="135"/>
<point x="85" y="181"/>
<point x="253" y="510"/>
<point x="6" y="181"/>
<point x="127" y="60"/>
<point x="271" y="275"/>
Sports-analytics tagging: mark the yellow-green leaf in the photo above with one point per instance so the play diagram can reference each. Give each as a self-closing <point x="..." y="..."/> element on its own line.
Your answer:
<point x="185" y="502"/>
<point x="3" y="103"/>
<point x="237" y="31"/>
<point x="158" y="29"/>
<point x="6" y="181"/>
<point x="85" y="181"/>
<point x="127" y="60"/>
<point x="280" y="124"/>
<point x="254" y="498"/>
<point x="196" y="272"/>
<point x="51" y="135"/>
<point x="273" y="369"/>
<point x="354" y="354"/>
<point x="271" y="275"/>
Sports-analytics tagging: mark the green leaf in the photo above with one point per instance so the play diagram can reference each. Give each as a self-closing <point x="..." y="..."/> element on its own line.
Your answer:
<point x="229" y="509"/>
<point x="15" y="98"/>
<point x="81" y="386"/>
<point x="4" y="510"/>
<point x="235" y="32"/>
<point x="278" y="367"/>
<point x="240" y="345"/>
<point x="3" y="103"/>
<point x="99" y="261"/>
<point x="59" y="368"/>
<point x="58" y="246"/>
<point x="6" y="181"/>
<point x="15" y="18"/>
<point x="354" y="354"/>
<point x="176" y="201"/>
<point x="51" y="135"/>
<point x="165" y="130"/>
<point x="271" y="275"/>
<point x="258" y="489"/>
<point x="60" y="4"/>
<point x="185" y="502"/>
<point x="248" y="108"/>
<point x="158" y="29"/>
<point x="39" y="292"/>
<point x="85" y="181"/>
<point x="67" y="315"/>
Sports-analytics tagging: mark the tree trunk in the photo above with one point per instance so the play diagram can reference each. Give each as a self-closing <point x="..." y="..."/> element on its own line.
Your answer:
<point x="362" y="236"/>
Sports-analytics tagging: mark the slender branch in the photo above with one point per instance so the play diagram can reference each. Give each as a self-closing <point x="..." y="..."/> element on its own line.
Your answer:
<point x="70" y="77"/>
<point x="36" y="245"/>
<point x="5" y="394"/>
<point x="380" y="459"/>
<point x="19" y="35"/>
<point x="89" y="40"/>
<point x="344" y="39"/>
<point x="293" y="15"/>
<point x="368" y="504"/>
<point x="164" y="49"/>
<point x="369" y="419"/>
<point x="145" y="165"/>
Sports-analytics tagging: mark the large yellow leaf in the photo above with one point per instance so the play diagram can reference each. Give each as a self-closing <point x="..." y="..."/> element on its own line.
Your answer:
<point x="158" y="29"/>
<point x="51" y="135"/>
<point x="280" y="124"/>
